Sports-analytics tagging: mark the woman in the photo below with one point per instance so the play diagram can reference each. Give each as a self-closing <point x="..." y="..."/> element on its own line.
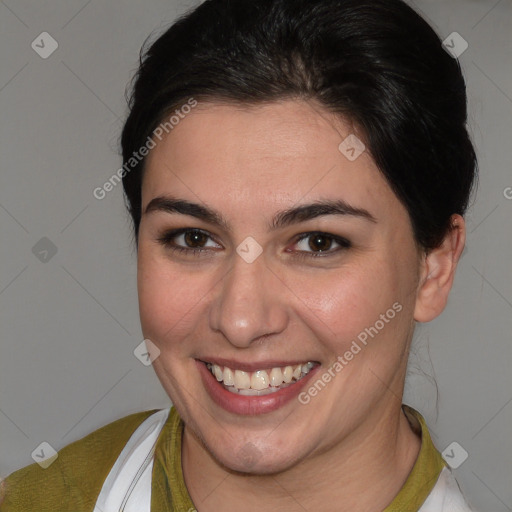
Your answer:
<point x="297" y="173"/>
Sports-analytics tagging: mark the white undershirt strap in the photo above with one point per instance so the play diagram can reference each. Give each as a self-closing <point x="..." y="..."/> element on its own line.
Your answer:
<point x="127" y="487"/>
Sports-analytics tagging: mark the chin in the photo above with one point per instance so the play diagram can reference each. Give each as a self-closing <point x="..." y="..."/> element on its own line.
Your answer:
<point x="249" y="459"/>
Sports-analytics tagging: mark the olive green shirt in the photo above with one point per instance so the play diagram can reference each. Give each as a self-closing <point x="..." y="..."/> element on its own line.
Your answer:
<point x="74" y="480"/>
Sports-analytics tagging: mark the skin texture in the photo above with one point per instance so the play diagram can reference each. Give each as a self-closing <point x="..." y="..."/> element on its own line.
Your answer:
<point x="350" y="447"/>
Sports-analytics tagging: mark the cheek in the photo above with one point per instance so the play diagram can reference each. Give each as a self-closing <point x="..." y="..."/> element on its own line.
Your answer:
<point x="346" y="304"/>
<point x="170" y="301"/>
<point x="341" y="305"/>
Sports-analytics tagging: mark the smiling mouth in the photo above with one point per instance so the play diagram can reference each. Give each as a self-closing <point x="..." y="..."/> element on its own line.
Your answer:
<point x="259" y="382"/>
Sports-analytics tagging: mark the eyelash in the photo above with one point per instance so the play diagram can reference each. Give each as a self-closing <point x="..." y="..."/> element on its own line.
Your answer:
<point x="167" y="241"/>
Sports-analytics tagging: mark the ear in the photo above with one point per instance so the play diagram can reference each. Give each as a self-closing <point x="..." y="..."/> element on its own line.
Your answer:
<point x="438" y="272"/>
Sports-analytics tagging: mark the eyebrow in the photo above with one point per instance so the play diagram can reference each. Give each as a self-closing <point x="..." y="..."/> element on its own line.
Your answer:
<point x="284" y="218"/>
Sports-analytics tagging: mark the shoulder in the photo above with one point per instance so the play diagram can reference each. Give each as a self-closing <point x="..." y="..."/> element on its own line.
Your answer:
<point x="431" y="485"/>
<point x="446" y="496"/>
<point x="73" y="481"/>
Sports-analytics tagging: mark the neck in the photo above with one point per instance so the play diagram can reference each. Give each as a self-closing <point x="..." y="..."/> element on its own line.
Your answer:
<point x="364" y="471"/>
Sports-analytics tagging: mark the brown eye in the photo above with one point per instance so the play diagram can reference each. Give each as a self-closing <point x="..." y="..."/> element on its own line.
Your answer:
<point x="195" y="239"/>
<point x="320" y="242"/>
<point x="188" y="241"/>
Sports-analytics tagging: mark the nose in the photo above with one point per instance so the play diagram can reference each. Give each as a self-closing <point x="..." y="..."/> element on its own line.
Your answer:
<point x="250" y="303"/>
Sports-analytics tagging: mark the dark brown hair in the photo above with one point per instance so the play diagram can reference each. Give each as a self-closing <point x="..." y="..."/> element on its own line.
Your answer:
<point x="374" y="62"/>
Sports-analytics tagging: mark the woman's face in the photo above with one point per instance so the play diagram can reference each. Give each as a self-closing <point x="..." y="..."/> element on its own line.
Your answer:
<point x="263" y="280"/>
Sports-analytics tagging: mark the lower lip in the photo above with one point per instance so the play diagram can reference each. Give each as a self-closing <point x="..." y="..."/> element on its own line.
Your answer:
<point x="250" y="405"/>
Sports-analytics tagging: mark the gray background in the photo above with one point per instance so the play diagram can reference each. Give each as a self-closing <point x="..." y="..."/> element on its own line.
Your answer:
<point x="70" y="324"/>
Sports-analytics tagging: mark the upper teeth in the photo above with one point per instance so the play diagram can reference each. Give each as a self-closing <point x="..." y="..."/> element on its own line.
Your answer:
<point x="260" y="379"/>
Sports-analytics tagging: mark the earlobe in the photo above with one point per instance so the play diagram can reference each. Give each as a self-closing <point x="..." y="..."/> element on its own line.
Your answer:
<point x="438" y="272"/>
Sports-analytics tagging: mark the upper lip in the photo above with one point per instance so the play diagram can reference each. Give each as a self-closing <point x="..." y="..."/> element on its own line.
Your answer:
<point x="253" y="366"/>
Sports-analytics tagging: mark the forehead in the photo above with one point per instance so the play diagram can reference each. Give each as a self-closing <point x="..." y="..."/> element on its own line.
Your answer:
<point x="231" y="155"/>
